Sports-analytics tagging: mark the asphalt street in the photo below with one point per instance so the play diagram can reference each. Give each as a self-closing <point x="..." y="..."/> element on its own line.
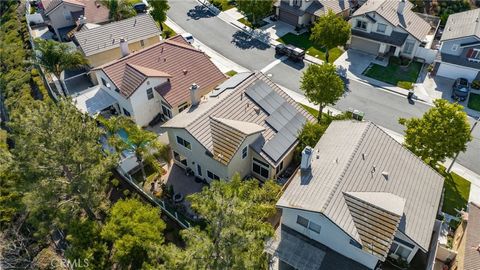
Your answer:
<point x="380" y="106"/>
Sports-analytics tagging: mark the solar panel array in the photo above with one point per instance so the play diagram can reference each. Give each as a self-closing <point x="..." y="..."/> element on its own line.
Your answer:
<point x="283" y="118"/>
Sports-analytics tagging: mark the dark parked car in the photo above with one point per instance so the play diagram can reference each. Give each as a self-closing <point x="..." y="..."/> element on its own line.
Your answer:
<point x="140" y="7"/>
<point x="293" y="53"/>
<point x="460" y="89"/>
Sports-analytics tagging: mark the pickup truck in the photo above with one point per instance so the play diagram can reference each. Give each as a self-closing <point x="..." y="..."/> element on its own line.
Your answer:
<point x="293" y="53"/>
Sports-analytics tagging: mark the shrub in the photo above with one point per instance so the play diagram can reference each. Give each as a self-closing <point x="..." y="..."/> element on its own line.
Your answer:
<point x="476" y="84"/>
<point x="115" y="182"/>
<point x="405" y="85"/>
<point x="126" y="192"/>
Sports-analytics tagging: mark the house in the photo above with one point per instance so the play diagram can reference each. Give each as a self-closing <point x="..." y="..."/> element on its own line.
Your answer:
<point x="156" y="80"/>
<point x="389" y="27"/>
<point x="247" y="125"/>
<point x="459" y="54"/>
<point x="63" y="15"/>
<point x="305" y="12"/>
<point x="465" y="249"/>
<point x="101" y="44"/>
<point x="359" y="194"/>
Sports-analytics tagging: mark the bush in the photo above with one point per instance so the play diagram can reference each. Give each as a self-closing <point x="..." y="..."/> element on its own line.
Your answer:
<point x="405" y="85"/>
<point x="115" y="182"/>
<point x="126" y="192"/>
<point x="476" y="84"/>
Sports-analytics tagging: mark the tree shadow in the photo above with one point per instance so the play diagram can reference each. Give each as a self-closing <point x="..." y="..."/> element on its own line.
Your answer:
<point x="199" y="12"/>
<point x="299" y="65"/>
<point x="245" y="41"/>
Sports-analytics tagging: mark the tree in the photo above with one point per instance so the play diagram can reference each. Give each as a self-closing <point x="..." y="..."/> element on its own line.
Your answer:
<point x="119" y="9"/>
<point x="158" y="11"/>
<point x="443" y="131"/>
<point x="62" y="168"/>
<point x="56" y="57"/>
<point x="135" y="230"/>
<point x="255" y="9"/>
<point x="310" y="135"/>
<point x="322" y="86"/>
<point x="236" y="213"/>
<point x="330" y="31"/>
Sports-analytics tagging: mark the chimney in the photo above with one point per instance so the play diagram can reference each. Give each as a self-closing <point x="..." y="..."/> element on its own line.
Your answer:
<point x="124" y="47"/>
<point x="306" y="158"/>
<point x="401" y="7"/>
<point x="195" y="94"/>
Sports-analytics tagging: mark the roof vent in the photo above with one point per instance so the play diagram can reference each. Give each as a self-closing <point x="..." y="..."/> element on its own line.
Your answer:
<point x="373" y="169"/>
<point x="363" y="156"/>
<point x="385" y="174"/>
<point x="257" y="110"/>
<point x="185" y="72"/>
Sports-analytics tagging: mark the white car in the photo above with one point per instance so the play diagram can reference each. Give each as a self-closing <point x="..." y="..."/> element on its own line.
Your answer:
<point x="188" y="37"/>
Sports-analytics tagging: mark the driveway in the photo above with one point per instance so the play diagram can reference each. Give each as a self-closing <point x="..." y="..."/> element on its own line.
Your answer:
<point x="354" y="61"/>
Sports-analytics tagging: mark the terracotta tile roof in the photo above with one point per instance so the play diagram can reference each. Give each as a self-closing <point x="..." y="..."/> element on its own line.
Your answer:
<point x="179" y="61"/>
<point x="93" y="10"/>
<point x="472" y="243"/>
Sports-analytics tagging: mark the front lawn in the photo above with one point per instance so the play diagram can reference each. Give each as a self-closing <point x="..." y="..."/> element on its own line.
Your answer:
<point x="167" y="31"/>
<point x="223" y="4"/>
<point x="457" y="190"/>
<point x="303" y="41"/>
<point x="394" y="73"/>
<point x="474" y="102"/>
<point x="247" y="22"/>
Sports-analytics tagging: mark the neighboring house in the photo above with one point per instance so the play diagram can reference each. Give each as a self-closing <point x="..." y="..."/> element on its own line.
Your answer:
<point x="305" y="12"/>
<point x="465" y="243"/>
<point x="247" y="125"/>
<point x="389" y="27"/>
<point x="101" y="44"/>
<point x="459" y="54"/>
<point x="361" y="194"/>
<point x="157" y="79"/>
<point x="63" y="15"/>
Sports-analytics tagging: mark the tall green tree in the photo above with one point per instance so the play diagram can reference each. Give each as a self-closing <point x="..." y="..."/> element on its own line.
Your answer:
<point x="60" y="162"/>
<point x="330" y="31"/>
<point x="322" y="86"/>
<point x="159" y="10"/>
<point x="119" y="9"/>
<point x="442" y="132"/>
<point x="255" y="10"/>
<point x="56" y="57"/>
<point x="236" y="212"/>
<point x="310" y="135"/>
<point x="135" y="230"/>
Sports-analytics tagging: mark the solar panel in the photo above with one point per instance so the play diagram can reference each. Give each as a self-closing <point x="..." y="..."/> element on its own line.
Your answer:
<point x="265" y="96"/>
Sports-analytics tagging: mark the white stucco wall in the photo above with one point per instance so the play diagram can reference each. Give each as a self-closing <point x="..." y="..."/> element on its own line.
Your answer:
<point x="122" y="101"/>
<point x="144" y="110"/>
<point x="57" y="16"/>
<point x="449" y="44"/>
<point x="330" y="235"/>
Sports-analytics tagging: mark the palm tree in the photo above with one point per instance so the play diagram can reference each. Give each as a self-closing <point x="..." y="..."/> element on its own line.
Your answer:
<point x="119" y="9"/>
<point x="56" y="57"/>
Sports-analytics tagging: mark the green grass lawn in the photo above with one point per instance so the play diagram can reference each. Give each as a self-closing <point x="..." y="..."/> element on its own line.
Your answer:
<point x="245" y="21"/>
<point x="394" y="73"/>
<point x="474" y="102"/>
<point x="303" y="41"/>
<point x="149" y="172"/>
<point x="223" y="4"/>
<point x="310" y="110"/>
<point x="231" y="73"/>
<point x="167" y="31"/>
<point x="457" y="190"/>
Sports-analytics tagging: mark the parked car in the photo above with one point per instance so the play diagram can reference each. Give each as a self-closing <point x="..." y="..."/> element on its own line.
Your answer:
<point x="460" y="89"/>
<point x="293" y="53"/>
<point x="140" y="7"/>
<point x="188" y="37"/>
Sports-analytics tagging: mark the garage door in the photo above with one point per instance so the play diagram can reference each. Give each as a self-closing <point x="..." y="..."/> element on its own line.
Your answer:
<point x="454" y="72"/>
<point x="365" y="45"/>
<point x="287" y="17"/>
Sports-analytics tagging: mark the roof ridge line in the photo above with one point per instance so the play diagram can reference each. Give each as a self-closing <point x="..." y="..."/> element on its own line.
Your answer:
<point x="340" y="178"/>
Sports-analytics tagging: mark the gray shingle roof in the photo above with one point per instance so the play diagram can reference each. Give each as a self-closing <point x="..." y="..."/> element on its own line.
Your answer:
<point x="351" y="157"/>
<point x="462" y="24"/>
<point x="106" y="37"/>
<point x="409" y="21"/>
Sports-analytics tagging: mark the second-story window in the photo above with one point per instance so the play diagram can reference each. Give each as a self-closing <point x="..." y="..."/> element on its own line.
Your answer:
<point x="244" y="152"/>
<point x="362" y="25"/>
<point x="381" y="28"/>
<point x="473" y="54"/>
<point x="182" y="107"/>
<point x="149" y="93"/>
<point x="297" y="3"/>
<point x="184" y="143"/>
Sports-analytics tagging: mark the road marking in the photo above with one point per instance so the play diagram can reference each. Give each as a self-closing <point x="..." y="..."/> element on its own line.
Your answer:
<point x="274" y="63"/>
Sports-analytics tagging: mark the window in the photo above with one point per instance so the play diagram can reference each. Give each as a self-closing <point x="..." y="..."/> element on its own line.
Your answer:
<point x="182" y="106"/>
<point x="142" y="43"/>
<point x="381" y="28"/>
<point x="244" y="152"/>
<point x="149" y="93"/>
<point x="261" y="168"/>
<point x="279" y="167"/>
<point x="199" y="169"/>
<point x="400" y="250"/>
<point x="302" y="221"/>
<point x="184" y="143"/>
<point x="455" y="47"/>
<point x="314" y="227"/>
<point x="361" y="25"/>
<point x="105" y="83"/>
<point x="127" y="113"/>
<point x="297" y="3"/>
<point x="473" y="54"/>
<point x="166" y="111"/>
<point x="212" y="175"/>
<point x="408" y="48"/>
<point x="180" y="158"/>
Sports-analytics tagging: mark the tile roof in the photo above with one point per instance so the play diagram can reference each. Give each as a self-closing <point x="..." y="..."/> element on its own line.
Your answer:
<point x="94" y="11"/>
<point x="107" y="36"/>
<point x="360" y="157"/>
<point x="234" y="104"/>
<point x="409" y="21"/>
<point x="178" y="60"/>
<point x="336" y="6"/>
<point x="462" y="24"/>
<point x="471" y="260"/>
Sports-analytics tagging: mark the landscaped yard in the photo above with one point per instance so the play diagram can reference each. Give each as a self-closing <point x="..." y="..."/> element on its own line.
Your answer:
<point x="394" y="73"/>
<point x="457" y="190"/>
<point x="223" y="4"/>
<point x="474" y="102"/>
<point x="303" y="41"/>
<point x="245" y="21"/>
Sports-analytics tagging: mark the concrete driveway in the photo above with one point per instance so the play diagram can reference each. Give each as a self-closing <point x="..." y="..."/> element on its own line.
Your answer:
<point x="355" y="62"/>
